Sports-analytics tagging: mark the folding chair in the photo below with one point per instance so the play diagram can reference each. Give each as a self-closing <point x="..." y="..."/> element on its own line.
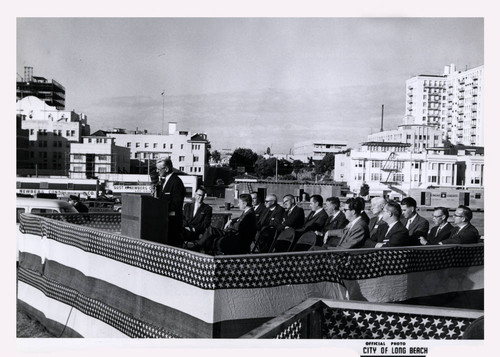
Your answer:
<point x="284" y="241"/>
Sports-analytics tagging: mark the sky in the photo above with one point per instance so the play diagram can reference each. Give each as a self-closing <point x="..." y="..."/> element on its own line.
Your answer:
<point x="245" y="82"/>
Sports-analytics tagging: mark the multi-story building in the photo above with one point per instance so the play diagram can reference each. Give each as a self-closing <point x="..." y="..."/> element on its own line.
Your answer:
<point x="188" y="151"/>
<point x="50" y="133"/>
<point x="98" y="157"/>
<point x="419" y="136"/>
<point x="453" y="102"/>
<point x="392" y="168"/>
<point x="51" y="92"/>
<point x="316" y="149"/>
<point x="23" y="163"/>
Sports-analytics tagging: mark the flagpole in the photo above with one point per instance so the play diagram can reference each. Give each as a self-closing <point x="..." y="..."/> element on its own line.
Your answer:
<point x="163" y="112"/>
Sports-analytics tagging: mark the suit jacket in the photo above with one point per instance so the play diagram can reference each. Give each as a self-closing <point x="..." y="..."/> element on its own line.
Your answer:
<point x="245" y="227"/>
<point x="273" y="218"/>
<point x="177" y="191"/>
<point x="294" y="219"/>
<point x="468" y="235"/>
<point x="396" y="237"/>
<point x="353" y="237"/>
<point x="201" y="220"/>
<point x="444" y="234"/>
<point x="365" y="217"/>
<point x="374" y="226"/>
<point x="315" y="222"/>
<point x="260" y="214"/>
<point x="339" y="222"/>
<point x="418" y="227"/>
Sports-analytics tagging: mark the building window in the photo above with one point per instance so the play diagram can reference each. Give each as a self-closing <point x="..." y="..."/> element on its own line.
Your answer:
<point x="102" y="157"/>
<point x="102" y="170"/>
<point x="172" y="146"/>
<point x="129" y="144"/>
<point x="137" y="145"/>
<point x="155" y="145"/>
<point x="67" y="132"/>
<point x="77" y="157"/>
<point x="32" y="131"/>
<point x="72" y="133"/>
<point x="196" y="159"/>
<point x="182" y="146"/>
<point x="181" y="158"/>
<point x="146" y="145"/>
<point x="136" y="155"/>
<point x="181" y="168"/>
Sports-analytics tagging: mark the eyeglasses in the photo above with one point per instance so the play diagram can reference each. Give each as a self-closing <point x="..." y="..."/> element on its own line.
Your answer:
<point x="457" y="215"/>
<point x="346" y="209"/>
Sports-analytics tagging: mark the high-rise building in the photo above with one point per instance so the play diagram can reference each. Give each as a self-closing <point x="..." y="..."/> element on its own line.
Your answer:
<point x="51" y="92"/>
<point x="452" y="102"/>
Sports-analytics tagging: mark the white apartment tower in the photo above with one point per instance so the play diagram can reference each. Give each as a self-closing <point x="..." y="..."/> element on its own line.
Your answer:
<point x="452" y="102"/>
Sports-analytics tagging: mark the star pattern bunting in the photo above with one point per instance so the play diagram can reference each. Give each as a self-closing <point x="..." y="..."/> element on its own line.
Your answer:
<point x="359" y="324"/>
<point x="252" y="271"/>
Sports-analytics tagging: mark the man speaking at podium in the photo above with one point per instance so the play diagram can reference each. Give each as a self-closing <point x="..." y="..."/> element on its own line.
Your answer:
<point x="170" y="183"/>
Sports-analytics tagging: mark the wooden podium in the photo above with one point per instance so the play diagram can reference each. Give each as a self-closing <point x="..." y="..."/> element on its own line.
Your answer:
<point x="145" y="217"/>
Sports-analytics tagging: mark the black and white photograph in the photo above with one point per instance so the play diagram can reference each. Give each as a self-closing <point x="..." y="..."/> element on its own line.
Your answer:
<point x="231" y="179"/>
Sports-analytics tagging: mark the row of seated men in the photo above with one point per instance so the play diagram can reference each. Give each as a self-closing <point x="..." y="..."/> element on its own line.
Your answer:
<point x="268" y="227"/>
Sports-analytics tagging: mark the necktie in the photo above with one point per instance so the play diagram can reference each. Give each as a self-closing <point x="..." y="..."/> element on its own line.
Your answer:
<point x="408" y="224"/>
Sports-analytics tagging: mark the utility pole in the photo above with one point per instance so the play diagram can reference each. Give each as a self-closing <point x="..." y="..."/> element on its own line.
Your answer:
<point x="163" y="111"/>
<point x="276" y="169"/>
<point x="382" y="120"/>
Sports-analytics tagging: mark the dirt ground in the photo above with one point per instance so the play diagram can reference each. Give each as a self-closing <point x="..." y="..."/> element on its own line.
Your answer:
<point x="27" y="327"/>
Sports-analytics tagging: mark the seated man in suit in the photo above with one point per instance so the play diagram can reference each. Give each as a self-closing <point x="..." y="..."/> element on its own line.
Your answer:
<point x="336" y="220"/>
<point x="376" y="222"/>
<point x="442" y="230"/>
<point x="464" y="232"/>
<point x="268" y="225"/>
<point x="354" y="234"/>
<point x="395" y="233"/>
<point x="417" y="225"/>
<point x="294" y="215"/>
<point x="237" y="235"/>
<point x="315" y="222"/>
<point x="259" y="209"/>
<point x="197" y="216"/>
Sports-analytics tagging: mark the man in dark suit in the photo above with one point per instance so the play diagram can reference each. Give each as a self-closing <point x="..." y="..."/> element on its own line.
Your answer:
<point x="268" y="225"/>
<point x="170" y="183"/>
<point x="417" y="225"/>
<point x="354" y="234"/>
<point x="464" y="232"/>
<point x="197" y="216"/>
<point x="237" y="235"/>
<point x="395" y="233"/>
<point x="336" y="220"/>
<point x="259" y="209"/>
<point x="442" y="229"/>
<point x="294" y="216"/>
<point x="315" y="221"/>
<point x="376" y="222"/>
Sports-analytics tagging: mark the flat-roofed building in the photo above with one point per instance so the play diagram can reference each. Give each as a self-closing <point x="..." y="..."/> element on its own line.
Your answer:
<point x="99" y="157"/>
<point x="392" y="169"/>
<point x="50" y="133"/>
<point x="187" y="150"/>
<point x="316" y="149"/>
<point x="452" y="101"/>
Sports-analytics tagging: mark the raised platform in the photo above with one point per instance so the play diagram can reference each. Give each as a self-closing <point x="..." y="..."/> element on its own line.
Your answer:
<point x="104" y="284"/>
